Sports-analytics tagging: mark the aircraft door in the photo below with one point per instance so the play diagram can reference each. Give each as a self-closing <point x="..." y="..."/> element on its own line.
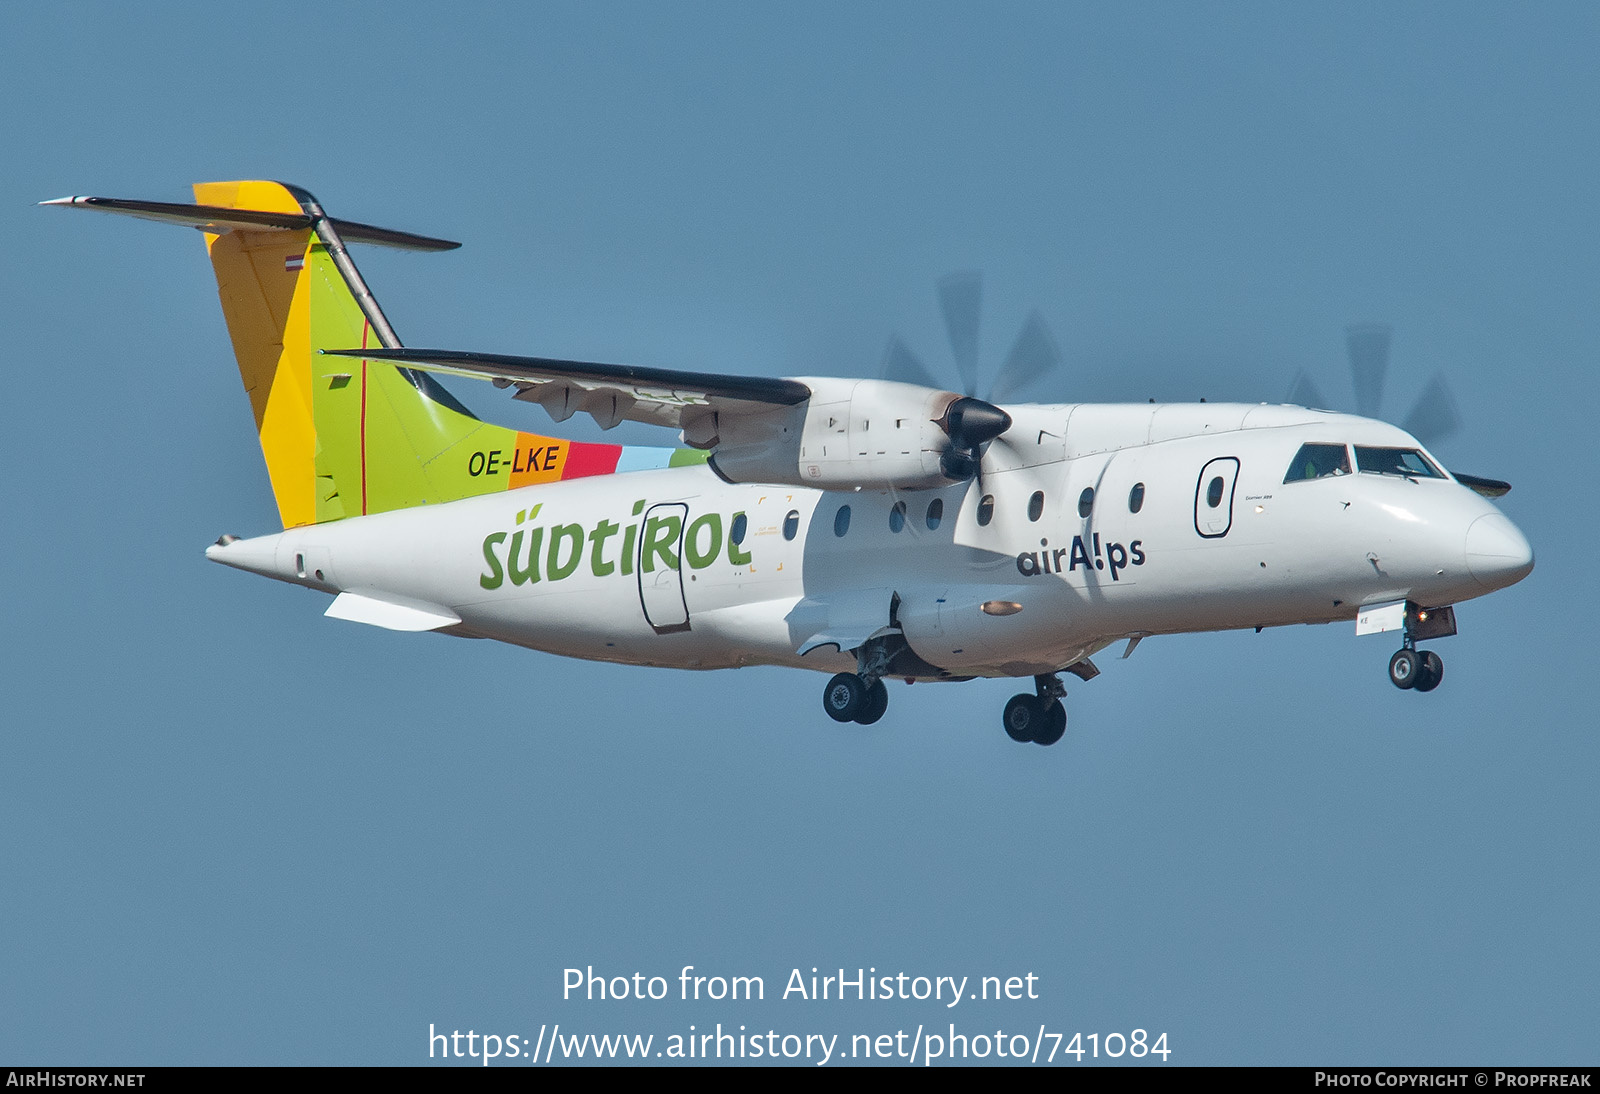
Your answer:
<point x="1213" y="497"/>
<point x="660" y="567"/>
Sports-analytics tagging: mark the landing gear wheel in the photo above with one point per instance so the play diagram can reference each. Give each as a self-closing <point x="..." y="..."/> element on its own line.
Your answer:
<point x="873" y="705"/>
<point x="844" y="697"/>
<point x="1024" y="718"/>
<point x="1055" y="724"/>
<point x="1430" y="672"/>
<point x="1404" y="667"/>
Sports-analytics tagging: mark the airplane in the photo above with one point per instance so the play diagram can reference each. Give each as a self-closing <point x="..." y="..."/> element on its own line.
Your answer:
<point x="871" y="529"/>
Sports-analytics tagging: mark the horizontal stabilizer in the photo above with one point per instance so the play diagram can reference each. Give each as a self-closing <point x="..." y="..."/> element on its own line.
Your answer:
<point x="218" y="219"/>
<point x="395" y="613"/>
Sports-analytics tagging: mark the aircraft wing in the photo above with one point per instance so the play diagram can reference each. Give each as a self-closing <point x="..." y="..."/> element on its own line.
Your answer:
<point x="690" y="401"/>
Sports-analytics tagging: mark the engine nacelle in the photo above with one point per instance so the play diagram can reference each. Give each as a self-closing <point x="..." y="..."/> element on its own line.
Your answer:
<point x="867" y="433"/>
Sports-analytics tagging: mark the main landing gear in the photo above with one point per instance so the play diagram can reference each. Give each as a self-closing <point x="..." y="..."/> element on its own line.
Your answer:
<point x="860" y="696"/>
<point x="1040" y="717"/>
<point x="849" y="698"/>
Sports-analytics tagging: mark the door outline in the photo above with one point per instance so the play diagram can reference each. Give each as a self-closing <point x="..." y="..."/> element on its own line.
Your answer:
<point x="665" y="594"/>
<point x="1224" y="516"/>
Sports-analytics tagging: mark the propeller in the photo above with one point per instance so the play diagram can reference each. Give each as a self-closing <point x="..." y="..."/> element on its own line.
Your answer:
<point x="1433" y="416"/>
<point x="972" y="421"/>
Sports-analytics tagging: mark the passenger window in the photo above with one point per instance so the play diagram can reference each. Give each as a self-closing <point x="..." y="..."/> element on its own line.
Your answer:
<point x="1318" y="461"/>
<point x="1396" y="461"/>
<point x="791" y="524"/>
<point x="1036" y="505"/>
<point x="741" y="524"/>
<point x="1214" y="492"/>
<point x="841" y="520"/>
<point x="986" y="509"/>
<point x="1136" y="498"/>
<point x="1086" y="501"/>
<point x="935" y="513"/>
<point x="897" y="516"/>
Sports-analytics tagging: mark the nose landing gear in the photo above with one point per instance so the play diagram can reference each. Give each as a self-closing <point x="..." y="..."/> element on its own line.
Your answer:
<point x="1041" y="717"/>
<point x="1421" y="670"/>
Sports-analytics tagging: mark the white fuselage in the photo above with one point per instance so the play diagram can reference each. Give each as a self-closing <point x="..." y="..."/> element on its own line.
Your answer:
<point x="641" y="568"/>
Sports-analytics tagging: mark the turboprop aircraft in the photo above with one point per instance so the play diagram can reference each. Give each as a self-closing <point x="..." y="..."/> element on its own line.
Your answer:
<point x="874" y="530"/>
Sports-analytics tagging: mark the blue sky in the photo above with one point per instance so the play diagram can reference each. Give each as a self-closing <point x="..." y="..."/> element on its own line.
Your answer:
<point x="234" y="831"/>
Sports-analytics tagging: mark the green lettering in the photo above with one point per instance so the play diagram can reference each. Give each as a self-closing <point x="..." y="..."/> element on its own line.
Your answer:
<point x="597" y="563"/>
<point x="520" y="574"/>
<point x="691" y="542"/>
<point x="660" y="534"/>
<point x="628" y="535"/>
<point x="555" y="568"/>
<point x="496" y="576"/>
<point x="736" y="554"/>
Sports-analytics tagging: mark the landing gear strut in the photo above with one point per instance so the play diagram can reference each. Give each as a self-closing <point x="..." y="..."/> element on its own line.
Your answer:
<point x="1040" y="717"/>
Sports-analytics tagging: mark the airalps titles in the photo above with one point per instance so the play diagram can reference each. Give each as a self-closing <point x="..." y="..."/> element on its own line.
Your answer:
<point x="1116" y="557"/>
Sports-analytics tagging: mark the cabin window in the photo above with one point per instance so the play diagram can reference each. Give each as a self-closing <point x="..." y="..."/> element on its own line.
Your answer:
<point x="1396" y="461"/>
<point x="741" y="524"/>
<point x="1136" y="498"/>
<point x="1036" y="505"/>
<point x="897" y="516"/>
<point x="1318" y="461"/>
<point x="1214" y="492"/>
<point x="986" y="509"/>
<point x="841" y="520"/>
<point x="1086" y="501"/>
<point x="935" y="513"/>
<point x="791" y="524"/>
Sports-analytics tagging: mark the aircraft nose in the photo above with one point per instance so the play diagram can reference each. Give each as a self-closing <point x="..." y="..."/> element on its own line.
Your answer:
<point x="1497" y="552"/>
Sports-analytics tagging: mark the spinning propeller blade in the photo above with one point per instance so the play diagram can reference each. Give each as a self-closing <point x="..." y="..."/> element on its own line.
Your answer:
<point x="1033" y="355"/>
<point x="1433" y="416"/>
<point x="1368" y="344"/>
<point x="901" y="365"/>
<point x="961" y="300"/>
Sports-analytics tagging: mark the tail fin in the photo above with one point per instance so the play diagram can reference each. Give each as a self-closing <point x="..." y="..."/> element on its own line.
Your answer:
<point x="342" y="437"/>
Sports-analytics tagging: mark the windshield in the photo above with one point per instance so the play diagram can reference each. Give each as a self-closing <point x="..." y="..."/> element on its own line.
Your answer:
<point x="1396" y="461"/>
<point x="1318" y="461"/>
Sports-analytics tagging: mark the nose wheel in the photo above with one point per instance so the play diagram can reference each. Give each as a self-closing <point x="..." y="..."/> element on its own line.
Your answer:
<point x="1411" y="668"/>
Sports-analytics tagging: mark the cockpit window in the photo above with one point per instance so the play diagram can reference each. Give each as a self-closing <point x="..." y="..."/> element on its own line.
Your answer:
<point x="1396" y="461"/>
<point x="1318" y="461"/>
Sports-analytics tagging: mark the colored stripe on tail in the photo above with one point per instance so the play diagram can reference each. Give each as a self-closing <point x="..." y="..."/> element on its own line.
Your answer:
<point x="347" y="436"/>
